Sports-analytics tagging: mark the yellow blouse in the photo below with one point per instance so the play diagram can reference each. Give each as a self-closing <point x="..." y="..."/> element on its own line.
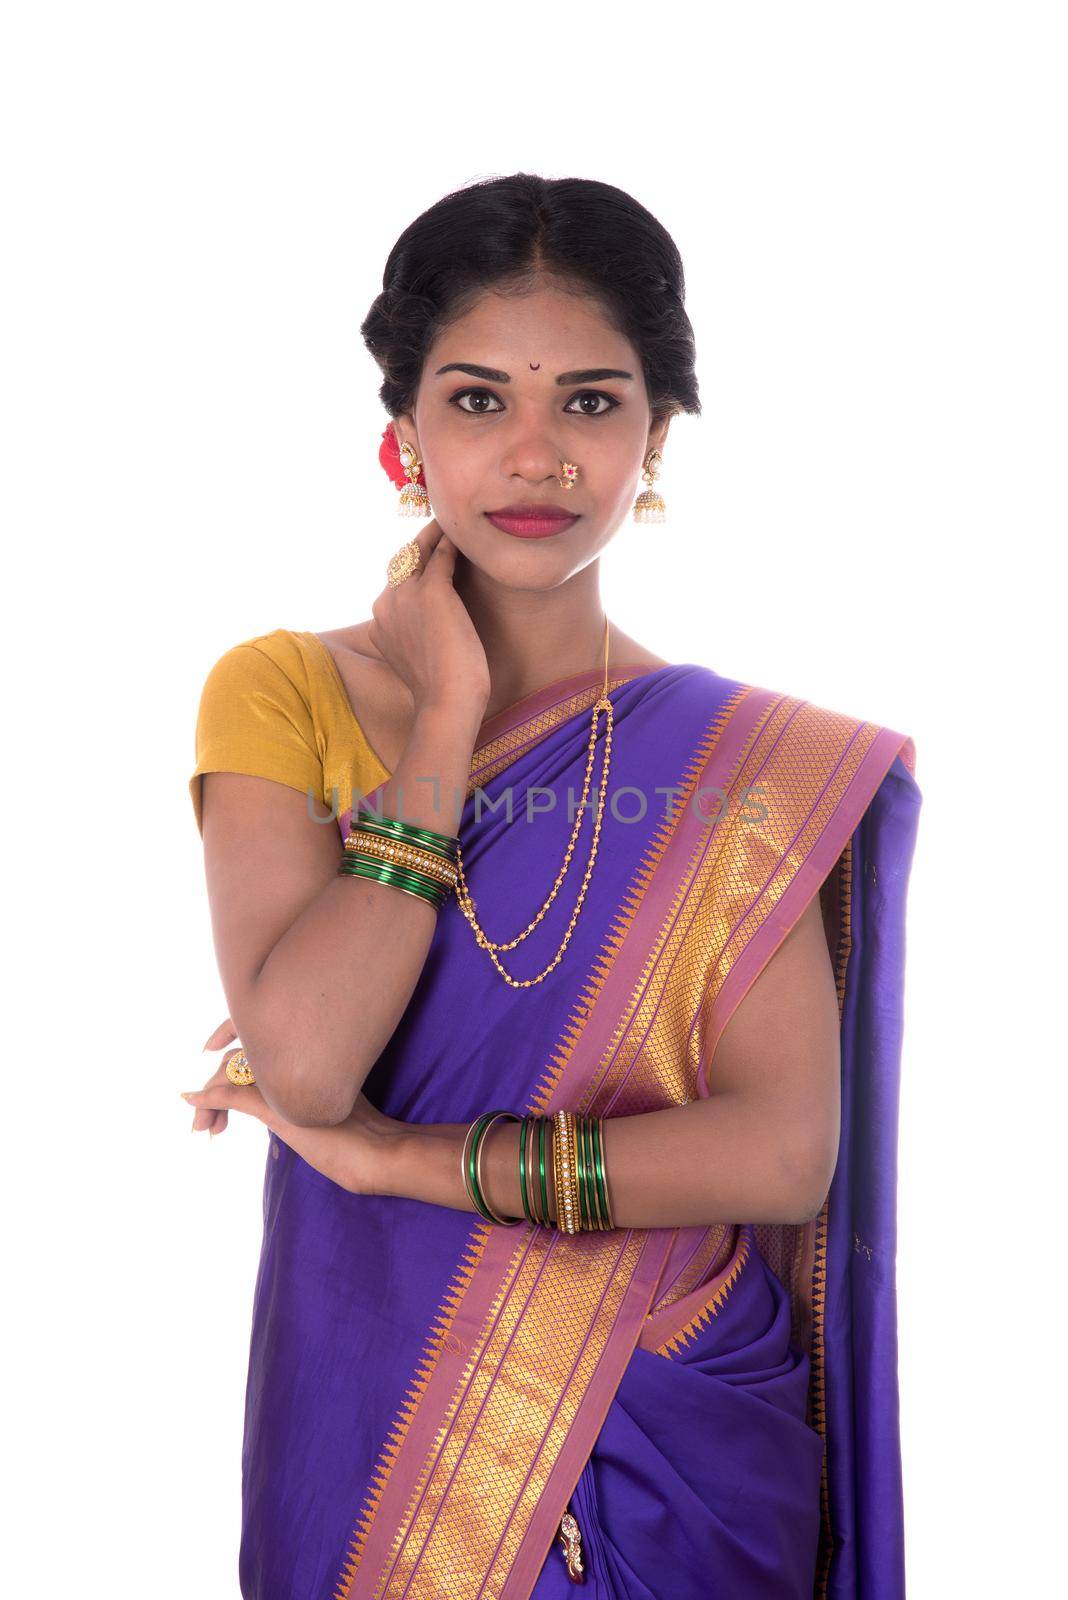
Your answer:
<point x="274" y="706"/>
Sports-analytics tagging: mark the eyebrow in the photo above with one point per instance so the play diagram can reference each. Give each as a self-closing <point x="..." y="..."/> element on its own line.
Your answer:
<point x="493" y="375"/>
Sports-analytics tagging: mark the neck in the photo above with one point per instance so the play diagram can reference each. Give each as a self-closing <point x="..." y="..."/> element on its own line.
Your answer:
<point x="532" y="636"/>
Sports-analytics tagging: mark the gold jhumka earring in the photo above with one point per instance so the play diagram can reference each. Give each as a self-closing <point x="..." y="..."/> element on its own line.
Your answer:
<point x="649" y="506"/>
<point x="414" y="500"/>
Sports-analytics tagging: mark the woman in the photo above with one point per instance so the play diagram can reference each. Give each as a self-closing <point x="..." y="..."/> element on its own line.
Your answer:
<point x="478" y="1369"/>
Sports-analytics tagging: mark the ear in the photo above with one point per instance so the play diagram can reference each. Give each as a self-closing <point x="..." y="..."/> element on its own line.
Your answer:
<point x="657" y="435"/>
<point x="404" y="427"/>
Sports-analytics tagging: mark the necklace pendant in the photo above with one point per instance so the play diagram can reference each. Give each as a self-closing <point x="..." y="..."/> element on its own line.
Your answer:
<point x="570" y="1537"/>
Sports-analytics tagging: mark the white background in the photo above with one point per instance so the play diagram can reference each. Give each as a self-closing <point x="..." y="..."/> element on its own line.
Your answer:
<point x="197" y="202"/>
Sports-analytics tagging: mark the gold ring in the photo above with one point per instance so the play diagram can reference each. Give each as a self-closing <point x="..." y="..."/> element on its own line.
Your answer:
<point x="403" y="564"/>
<point x="238" y="1070"/>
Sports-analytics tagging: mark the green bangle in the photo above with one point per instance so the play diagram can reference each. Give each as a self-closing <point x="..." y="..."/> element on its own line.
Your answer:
<point x="541" y="1170"/>
<point x="599" y="1173"/>
<point x="389" y="871"/>
<point x="523" y="1170"/>
<point x="600" y="1221"/>
<point x="397" y="878"/>
<point x="586" y="1172"/>
<point x="471" y="1170"/>
<point x="407" y="867"/>
<point x="393" y="826"/>
<point x="580" y="1169"/>
<point x="485" y="1122"/>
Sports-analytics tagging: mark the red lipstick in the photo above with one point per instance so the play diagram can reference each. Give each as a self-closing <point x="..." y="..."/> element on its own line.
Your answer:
<point x="532" y="519"/>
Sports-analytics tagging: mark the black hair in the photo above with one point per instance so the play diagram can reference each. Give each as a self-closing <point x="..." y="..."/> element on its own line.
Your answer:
<point x="510" y="233"/>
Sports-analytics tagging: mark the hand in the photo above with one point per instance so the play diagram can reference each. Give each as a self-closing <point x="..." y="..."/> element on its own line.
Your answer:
<point x="424" y="631"/>
<point x="215" y="1121"/>
<point x="354" y="1154"/>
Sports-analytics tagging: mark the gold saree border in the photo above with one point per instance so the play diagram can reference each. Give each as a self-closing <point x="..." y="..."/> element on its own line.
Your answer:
<point x="699" y="1306"/>
<point x="805" y="759"/>
<point x="546" y="1273"/>
<point x="477" y="1511"/>
<point x="816" y="1266"/>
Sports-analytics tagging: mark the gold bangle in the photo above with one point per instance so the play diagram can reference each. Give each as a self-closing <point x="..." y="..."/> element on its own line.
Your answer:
<point x="363" y="843"/>
<point x="557" y="1178"/>
<point x="567" y="1214"/>
<point x="572" y="1167"/>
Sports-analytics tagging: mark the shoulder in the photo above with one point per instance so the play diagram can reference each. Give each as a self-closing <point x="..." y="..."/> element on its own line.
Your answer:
<point x="262" y="682"/>
<point x="263" y="658"/>
<point x="288" y="668"/>
<point x="789" y="719"/>
<point x="846" y="733"/>
<point x="263" y="688"/>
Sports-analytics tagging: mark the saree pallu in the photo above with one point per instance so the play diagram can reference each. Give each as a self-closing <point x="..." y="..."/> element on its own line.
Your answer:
<point x="428" y="1393"/>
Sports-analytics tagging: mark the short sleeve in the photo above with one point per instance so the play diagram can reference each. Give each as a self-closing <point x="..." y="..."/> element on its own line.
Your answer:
<point x="255" y="717"/>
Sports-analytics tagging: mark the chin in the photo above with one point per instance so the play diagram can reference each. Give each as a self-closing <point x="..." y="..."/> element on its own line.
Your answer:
<point x="523" y="573"/>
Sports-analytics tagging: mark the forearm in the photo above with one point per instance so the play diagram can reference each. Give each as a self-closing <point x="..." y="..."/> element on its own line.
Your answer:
<point x="334" y="987"/>
<point x="716" y="1160"/>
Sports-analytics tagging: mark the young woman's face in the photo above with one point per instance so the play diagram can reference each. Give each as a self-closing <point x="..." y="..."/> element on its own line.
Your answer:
<point x="555" y="384"/>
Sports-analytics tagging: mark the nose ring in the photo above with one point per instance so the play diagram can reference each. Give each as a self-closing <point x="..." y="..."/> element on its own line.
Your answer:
<point x="568" y="474"/>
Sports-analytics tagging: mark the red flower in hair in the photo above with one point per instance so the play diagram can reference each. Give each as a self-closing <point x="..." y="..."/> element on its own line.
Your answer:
<point x="389" y="456"/>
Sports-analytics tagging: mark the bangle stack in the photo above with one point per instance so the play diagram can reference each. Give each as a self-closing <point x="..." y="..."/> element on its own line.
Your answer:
<point x="417" y="860"/>
<point x="571" y="1146"/>
<point x="422" y="862"/>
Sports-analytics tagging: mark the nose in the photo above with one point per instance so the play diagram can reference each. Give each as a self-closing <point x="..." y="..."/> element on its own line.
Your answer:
<point x="535" y="458"/>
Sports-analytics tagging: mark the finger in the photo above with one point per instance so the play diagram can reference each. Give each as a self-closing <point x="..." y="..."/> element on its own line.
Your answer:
<point x="225" y="1096"/>
<point x="428" y="535"/>
<point x="212" y="1104"/>
<point x="441" y="563"/>
<point x="206" y="1117"/>
<point x="424" y="541"/>
<point x="216" y="1121"/>
<point x="224" y="1034"/>
<point x="428" y="539"/>
<point x="219" y="1120"/>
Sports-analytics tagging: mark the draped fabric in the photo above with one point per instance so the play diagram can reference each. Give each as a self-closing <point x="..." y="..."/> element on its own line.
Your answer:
<point x="716" y="1405"/>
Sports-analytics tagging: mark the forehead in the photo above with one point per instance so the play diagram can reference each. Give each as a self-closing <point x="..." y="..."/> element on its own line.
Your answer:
<point x="538" y="325"/>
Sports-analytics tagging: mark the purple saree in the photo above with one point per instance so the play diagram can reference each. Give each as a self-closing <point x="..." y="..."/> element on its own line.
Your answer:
<point x="717" y="1406"/>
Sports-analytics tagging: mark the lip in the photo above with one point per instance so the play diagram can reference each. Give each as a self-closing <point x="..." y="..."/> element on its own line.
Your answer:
<point x="532" y="520"/>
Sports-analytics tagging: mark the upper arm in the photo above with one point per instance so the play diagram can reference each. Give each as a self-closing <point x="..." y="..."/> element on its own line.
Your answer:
<point x="265" y="855"/>
<point x="265" y="859"/>
<point x="781" y="1050"/>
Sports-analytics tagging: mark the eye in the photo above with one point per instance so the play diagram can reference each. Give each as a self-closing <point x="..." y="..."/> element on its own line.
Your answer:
<point x="473" y="411"/>
<point x="482" y="410"/>
<point x="593" y="394"/>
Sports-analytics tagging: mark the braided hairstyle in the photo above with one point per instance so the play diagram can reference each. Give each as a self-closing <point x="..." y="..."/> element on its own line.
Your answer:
<point x="510" y="234"/>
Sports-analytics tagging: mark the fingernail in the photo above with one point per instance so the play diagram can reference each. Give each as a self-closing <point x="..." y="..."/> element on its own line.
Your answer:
<point x="211" y="1133"/>
<point x="193" y="1129"/>
<point x="187" y="1092"/>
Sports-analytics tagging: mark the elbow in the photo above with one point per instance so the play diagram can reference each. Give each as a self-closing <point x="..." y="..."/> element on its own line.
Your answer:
<point x="303" y="1108"/>
<point x="302" y="1095"/>
<point x="309" y="1104"/>
<point x="808" y="1174"/>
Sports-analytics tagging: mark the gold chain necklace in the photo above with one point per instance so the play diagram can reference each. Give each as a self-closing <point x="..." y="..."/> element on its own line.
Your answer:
<point x="467" y="905"/>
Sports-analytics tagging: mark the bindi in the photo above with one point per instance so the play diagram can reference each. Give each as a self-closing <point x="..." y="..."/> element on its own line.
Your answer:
<point x="532" y="366"/>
